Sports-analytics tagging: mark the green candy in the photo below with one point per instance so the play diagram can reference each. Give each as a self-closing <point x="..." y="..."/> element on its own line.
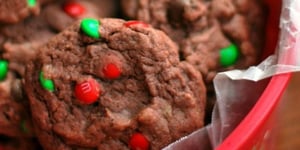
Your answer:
<point x="31" y="3"/>
<point x="229" y="55"/>
<point x="3" y="69"/>
<point x="46" y="83"/>
<point x="90" y="27"/>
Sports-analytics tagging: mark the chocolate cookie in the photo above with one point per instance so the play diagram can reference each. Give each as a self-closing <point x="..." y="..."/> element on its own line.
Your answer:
<point x="213" y="35"/>
<point x="15" y="120"/>
<point x="18" y="44"/>
<point x="21" y="40"/>
<point x="63" y="13"/>
<point x="13" y="11"/>
<point x="111" y="84"/>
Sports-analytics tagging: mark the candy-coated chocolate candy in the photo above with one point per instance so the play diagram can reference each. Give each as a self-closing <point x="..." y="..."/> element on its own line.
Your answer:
<point x="46" y="83"/>
<point x="134" y="22"/>
<point x="31" y="3"/>
<point x="3" y="69"/>
<point x="138" y="142"/>
<point x="88" y="91"/>
<point x="74" y="9"/>
<point x="90" y="27"/>
<point x="229" y="55"/>
<point x="111" y="71"/>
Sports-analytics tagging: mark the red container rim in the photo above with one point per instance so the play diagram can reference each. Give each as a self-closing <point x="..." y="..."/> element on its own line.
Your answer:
<point x="249" y="129"/>
<point x="248" y="132"/>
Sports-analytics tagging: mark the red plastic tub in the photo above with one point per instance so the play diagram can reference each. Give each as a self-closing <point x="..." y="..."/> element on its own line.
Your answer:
<point x="254" y="130"/>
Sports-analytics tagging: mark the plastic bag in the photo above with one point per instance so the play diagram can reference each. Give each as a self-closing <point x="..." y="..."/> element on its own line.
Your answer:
<point x="235" y="100"/>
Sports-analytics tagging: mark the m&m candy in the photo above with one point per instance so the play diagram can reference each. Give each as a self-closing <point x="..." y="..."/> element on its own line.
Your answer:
<point x="88" y="91"/>
<point x="138" y="142"/>
<point x="46" y="83"/>
<point x="134" y="22"/>
<point x="74" y="9"/>
<point x="111" y="71"/>
<point x="229" y="55"/>
<point x="90" y="27"/>
<point x="3" y="69"/>
<point x="31" y="3"/>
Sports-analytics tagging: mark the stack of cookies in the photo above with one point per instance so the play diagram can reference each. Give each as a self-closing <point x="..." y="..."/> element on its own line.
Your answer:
<point x="129" y="74"/>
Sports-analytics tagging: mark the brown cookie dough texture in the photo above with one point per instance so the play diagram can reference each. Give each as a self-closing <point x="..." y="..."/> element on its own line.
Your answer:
<point x="15" y="120"/>
<point x="203" y="27"/>
<point x="13" y="11"/>
<point x="18" y="46"/>
<point x="59" y="18"/>
<point x="21" y="40"/>
<point x="155" y="94"/>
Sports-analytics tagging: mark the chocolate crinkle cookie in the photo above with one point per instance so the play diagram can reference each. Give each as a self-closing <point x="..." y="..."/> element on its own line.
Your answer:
<point x="110" y="84"/>
<point x="213" y="35"/>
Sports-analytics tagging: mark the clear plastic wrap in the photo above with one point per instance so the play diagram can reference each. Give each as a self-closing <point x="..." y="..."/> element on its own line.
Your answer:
<point x="233" y="88"/>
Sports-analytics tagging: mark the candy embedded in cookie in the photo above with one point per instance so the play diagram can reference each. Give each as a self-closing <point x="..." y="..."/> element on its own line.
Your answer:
<point x="203" y="29"/>
<point x="135" y="22"/>
<point x="125" y="90"/>
<point x="138" y="142"/>
<point x="88" y="91"/>
<point x="46" y="83"/>
<point x="90" y="27"/>
<point x="31" y="3"/>
<point x="74" y="9"/>
<point x="61" y="14"/>
<point x="111" y="71"/>
<point x="3" y="69"/>
<point x="14" y="11"/>
<point x="229" y="55"/>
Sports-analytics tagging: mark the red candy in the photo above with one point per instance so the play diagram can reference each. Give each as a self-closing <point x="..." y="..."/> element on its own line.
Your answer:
<point x="134" y="22"/>
<point x="74" y="9"/>
<point x="111" y="71"/>
<point x="138" y="142"/>
<point x="87" y="91"/>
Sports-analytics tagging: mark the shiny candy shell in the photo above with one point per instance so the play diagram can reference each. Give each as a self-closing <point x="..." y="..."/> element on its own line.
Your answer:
<point x="229" y="55"/>
<point x="46" y="83"/>
<point x="135" y="22"/>
<point x="111" y="71"/>
<point x="31" y="3"/>
<point x="138" y="142"/>
<point x="74" y="9"/>
<point x="3" y="69"/>
<point x="90" y="27"/>
<point x="88" y="91"/>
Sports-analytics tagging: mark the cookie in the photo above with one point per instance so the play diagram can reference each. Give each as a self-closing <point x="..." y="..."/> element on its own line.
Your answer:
<point x="18" y="44"/>
<point x="63" y="13"/>
<point x="13" y="11"/>
<point x="112" y="84"/>
<point x="21" y="40"/>
<point x="213" y="35"/>
<point x="15" y="120"/>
